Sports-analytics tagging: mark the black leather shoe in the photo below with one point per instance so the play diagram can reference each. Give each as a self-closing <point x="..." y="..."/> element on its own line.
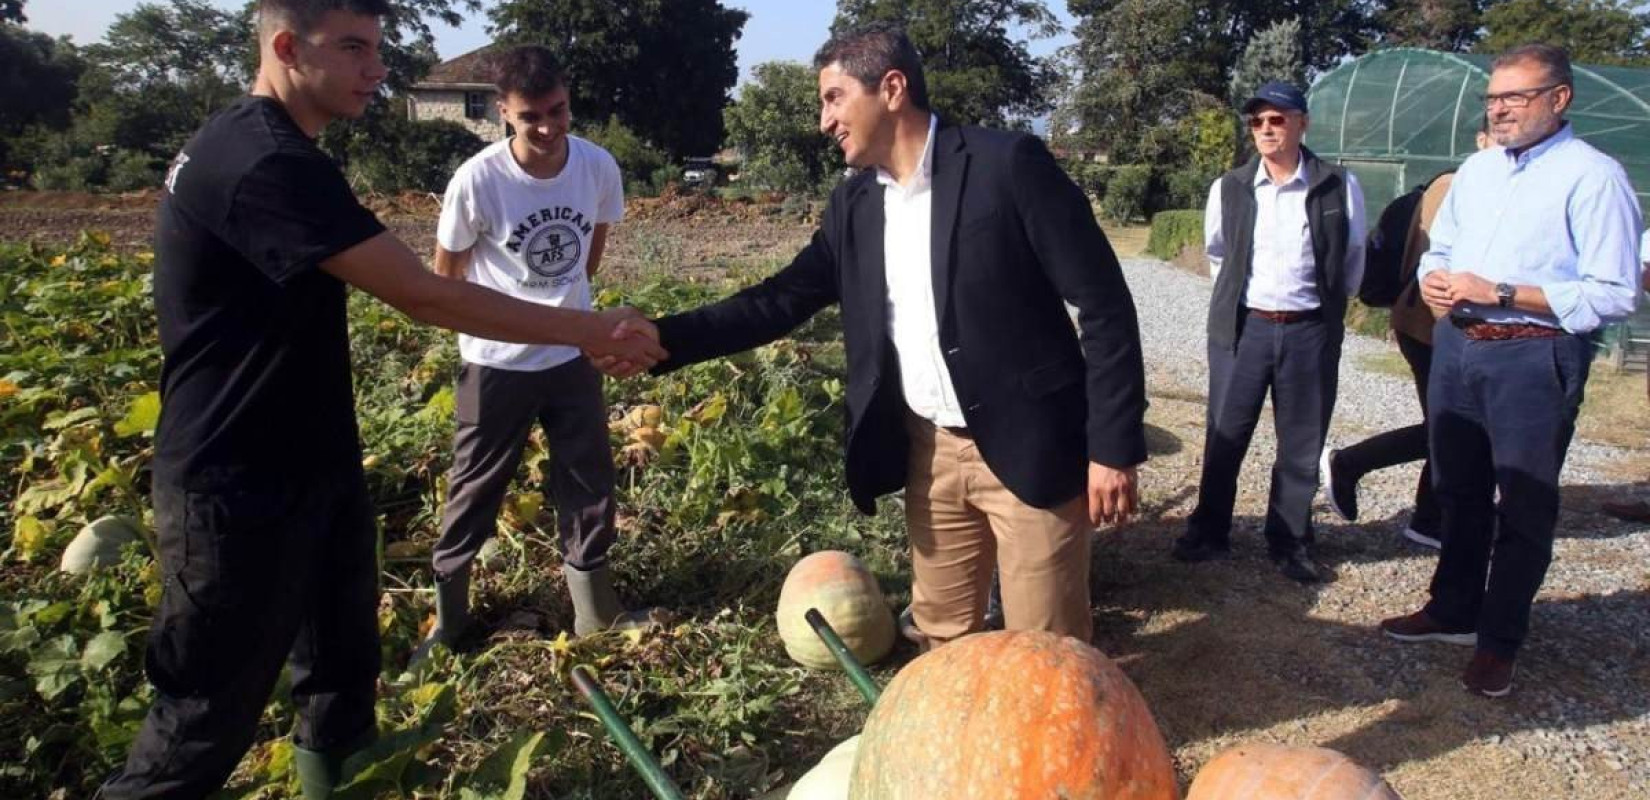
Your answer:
<point x="1299" y="568"/>
<point x="1192" y="549"/>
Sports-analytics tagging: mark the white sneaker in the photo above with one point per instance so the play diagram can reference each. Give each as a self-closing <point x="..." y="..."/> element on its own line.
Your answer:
<point x="1421" y="538"/>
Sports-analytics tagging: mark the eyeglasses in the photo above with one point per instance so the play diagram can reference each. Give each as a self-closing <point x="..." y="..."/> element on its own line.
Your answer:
<point x="1258" y="121"/>
<point x="1518" y="98"/>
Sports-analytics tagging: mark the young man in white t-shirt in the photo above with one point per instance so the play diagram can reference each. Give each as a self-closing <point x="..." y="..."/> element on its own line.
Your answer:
<point x="528" y="216"/>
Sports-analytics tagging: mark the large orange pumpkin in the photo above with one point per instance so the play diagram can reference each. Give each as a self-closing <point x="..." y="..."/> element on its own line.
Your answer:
<point x="1012" y="715"/>
<point x="847" y="595"/>
<point x="1279" y="772"/>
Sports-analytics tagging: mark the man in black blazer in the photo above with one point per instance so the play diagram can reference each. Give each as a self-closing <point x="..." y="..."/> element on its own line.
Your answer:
<point x="952" y="254"/>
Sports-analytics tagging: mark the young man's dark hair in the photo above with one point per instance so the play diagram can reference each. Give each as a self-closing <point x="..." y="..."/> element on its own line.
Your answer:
<point x="870" y="52"/>
<point x="302" y="15"/>
<point x="528" y="71"/>
<point x="1555" y="59"/>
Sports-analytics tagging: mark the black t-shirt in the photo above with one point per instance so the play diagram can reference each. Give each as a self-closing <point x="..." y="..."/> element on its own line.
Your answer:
<point x="256" y="380"/>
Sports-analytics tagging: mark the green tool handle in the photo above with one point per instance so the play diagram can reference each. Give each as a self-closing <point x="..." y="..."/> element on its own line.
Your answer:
<point x="653" y="774"/>
<point x="856" y="672"/>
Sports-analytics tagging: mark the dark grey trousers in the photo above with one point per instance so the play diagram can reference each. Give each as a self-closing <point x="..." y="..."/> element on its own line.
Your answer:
<point x="1298" y="363"/>
<point x="496" y="409"/>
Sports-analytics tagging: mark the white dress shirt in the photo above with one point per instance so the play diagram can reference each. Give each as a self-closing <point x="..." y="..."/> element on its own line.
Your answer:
<point x="913" y="322"/>
<point x="1283" y="274"/>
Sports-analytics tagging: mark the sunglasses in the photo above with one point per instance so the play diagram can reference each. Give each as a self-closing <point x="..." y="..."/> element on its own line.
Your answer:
<point x="1258" y="121"/>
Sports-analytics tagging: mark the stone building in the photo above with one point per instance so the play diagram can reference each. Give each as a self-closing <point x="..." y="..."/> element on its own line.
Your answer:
<point x="460" y="90"/>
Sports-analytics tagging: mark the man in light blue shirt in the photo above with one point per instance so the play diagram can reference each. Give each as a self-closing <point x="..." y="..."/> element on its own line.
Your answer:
<point x="1535" y="248"/>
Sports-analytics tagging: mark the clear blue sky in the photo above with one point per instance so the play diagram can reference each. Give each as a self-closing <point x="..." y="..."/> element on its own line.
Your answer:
<point x="777" y="29"/>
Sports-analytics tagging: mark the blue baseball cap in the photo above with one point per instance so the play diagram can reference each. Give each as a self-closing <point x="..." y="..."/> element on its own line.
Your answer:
<point x="1277" y="93"/>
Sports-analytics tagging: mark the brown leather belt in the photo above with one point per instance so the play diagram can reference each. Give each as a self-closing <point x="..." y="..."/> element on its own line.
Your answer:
<point x="1286" y="317"/>
<point x="1481" y="331"/>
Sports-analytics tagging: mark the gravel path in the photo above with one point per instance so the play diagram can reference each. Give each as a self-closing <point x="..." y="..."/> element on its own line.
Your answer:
<point x="1306" y="666"/>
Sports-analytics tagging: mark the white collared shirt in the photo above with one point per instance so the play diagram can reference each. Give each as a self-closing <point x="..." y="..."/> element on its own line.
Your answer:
<point x="913" y="322"/>
<point x="1282" y="273"/>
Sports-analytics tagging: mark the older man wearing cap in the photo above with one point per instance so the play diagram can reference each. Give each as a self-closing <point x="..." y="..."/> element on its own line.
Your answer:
<point x="1285" y="238"/>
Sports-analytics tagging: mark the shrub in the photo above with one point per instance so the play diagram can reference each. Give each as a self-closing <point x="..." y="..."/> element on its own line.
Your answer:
<point x="75" y="174"/>
<point x="639" y="161"/>
<point x="1127" y="191"/>
<point x="417" y="156"/>
<point x="1188" y="187"/>
<point x="129" y="171"/>
<point x="1091" y="177"/>
<point x="1173" y="231"/>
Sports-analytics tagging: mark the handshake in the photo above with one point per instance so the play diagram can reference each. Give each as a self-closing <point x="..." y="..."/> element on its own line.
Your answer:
<point x="623" y="343"/>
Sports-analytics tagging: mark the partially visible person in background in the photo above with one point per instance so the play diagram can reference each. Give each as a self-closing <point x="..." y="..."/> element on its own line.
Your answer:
<point x="1636" y="510"/>
<point x="1411" y="321"/>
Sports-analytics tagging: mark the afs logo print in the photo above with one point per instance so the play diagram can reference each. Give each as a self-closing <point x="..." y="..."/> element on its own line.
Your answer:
<point x="554" y="250"/>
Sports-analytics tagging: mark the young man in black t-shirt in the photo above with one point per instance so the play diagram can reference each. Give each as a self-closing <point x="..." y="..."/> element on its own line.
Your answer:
<point x="267" y="541"/>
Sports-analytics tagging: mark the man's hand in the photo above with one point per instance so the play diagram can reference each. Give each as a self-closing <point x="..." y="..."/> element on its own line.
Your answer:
<point x="1435" y="290"/>
<point x="1114" y="494"/>
<point x="630" y="344"/>
<point x="1466" y="287"/>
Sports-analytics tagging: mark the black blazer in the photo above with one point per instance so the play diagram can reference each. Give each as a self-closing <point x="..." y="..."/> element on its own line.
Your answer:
<point x="1012" y="238"/>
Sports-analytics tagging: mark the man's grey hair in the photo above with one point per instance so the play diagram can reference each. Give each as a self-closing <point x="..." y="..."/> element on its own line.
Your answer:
<point x="870" y="52"/>
<point x="1554" y="59"/>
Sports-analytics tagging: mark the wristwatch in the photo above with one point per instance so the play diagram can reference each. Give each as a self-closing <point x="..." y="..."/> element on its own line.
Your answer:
<point x="1504" y="294"/>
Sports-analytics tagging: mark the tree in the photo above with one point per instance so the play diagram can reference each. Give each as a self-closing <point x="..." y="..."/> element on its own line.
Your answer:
<point x="1131" y="74"/>
<point x="1145" y="63"/>
<point x="1451" y="25"/>
<point x="977" y="72"/>
<point x="38" y="77"/>
<point x="189" y="51"/>
<point x="12" y="11"/>
<point x="1593" y="31"/>
<point x="775" y="124"/>
<point x="1273" y="55"/>
<point x="663" y="67"/>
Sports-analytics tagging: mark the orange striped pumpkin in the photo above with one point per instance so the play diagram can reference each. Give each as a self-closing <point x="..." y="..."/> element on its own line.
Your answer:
<point x="1012" y="715"/>
<point x="1278" y="772"/>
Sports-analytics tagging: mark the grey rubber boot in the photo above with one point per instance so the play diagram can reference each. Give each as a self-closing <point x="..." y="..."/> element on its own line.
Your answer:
<point x="596" y="606"/>
<point x="452" y="613"/>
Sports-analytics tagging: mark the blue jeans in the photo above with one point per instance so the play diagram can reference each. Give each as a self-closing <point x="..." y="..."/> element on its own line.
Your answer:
<point x="1502" y="415"/>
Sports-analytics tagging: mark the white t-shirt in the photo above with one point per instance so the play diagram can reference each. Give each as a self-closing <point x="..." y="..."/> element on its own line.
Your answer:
<point x="531" y="237"/>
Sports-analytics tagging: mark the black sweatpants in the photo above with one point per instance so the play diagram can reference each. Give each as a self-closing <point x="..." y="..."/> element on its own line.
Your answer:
<point x="284" y="571"/>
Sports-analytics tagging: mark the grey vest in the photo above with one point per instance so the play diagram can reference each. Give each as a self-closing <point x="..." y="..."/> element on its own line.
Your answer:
<point x="1326" y="217"/>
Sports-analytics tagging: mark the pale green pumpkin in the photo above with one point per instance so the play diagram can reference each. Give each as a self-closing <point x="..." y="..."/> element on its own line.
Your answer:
<point x="99" y="544"/>
<point x="846" y="593"/>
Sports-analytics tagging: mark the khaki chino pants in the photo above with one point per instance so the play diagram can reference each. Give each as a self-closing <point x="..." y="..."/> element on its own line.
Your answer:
<point x="962" y="521"/>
